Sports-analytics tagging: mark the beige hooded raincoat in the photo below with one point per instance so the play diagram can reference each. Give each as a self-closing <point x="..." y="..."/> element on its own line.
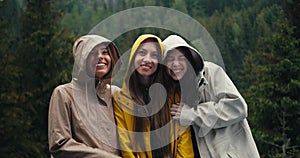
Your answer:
<point x="80" y="124"/>
<point x="219" y="116"/>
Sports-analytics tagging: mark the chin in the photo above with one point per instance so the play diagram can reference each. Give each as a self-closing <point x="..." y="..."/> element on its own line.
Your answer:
<point x="99" y="75"/>
<point x="175" y="78"/>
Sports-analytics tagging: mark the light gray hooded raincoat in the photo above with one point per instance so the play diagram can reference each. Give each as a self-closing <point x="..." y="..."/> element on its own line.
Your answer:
<point x="219" y="116"/>
<point x="80" y="124"/>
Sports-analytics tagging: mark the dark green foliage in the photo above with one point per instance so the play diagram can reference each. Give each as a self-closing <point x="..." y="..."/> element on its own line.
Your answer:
<point x="271" y="75"/>
<point x="258" y="42"/>
<point x="34" y="61"/>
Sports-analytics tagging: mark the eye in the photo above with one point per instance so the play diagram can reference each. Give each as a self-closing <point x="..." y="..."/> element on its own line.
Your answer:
<point x="181" y="58"/>
<point x="105" y="51"/>
<point x="169" y="58"/>
<point x="142" y="52"/>
<point x="154" y="55"/>
<point x="93" y="53"/>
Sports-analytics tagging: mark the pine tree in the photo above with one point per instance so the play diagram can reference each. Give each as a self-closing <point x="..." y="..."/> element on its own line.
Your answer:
<point x="272" y="87"/>
<point x="41" y="60"/>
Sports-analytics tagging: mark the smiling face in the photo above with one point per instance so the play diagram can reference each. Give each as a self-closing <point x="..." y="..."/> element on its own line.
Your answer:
<point x="176" y="64"/>
<point x="98" y="61"/>
<point x="146" y="59"/>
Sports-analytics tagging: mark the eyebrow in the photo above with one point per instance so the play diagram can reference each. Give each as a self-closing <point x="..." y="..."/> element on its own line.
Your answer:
<point x="156" y="51"/>
<point x="141" y="49"/>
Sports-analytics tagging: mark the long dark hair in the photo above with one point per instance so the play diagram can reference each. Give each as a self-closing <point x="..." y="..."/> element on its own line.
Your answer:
<point x="140" y="94"/>
<point x="135" y="85"/>
<point x="162" y="120"/>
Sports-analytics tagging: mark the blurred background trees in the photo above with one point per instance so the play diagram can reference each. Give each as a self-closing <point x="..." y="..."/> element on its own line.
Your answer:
<point x="258" y="40"/>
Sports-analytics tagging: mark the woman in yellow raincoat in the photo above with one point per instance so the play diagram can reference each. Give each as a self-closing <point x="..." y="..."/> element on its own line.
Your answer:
<point x="142" y="114"/>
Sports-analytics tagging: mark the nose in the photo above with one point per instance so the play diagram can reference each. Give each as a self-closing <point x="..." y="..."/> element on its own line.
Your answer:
<point x="175" y="62"/>
<point x="147" y="58"/>
<point x="99" y="55"/>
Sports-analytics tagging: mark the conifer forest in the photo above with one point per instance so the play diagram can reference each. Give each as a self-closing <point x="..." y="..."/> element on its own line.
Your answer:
<point x="257" y="39"/>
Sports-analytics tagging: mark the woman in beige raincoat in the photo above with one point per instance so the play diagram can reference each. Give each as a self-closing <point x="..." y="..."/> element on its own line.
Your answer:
<point x="81" y="122"/>
<point x="211" y="103"/>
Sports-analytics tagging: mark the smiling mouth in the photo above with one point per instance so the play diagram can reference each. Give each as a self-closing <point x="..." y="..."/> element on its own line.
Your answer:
<point x="100" y="65"/>
<point x="146" y="66"/>
<point x="177" y="70"/>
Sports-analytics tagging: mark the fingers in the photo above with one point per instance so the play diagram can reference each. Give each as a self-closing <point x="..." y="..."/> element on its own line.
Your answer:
<point x="179" y="104"/>
<point x="173" y="113"/>
<point x="175" y="110"/>
<point x="175" y="105"/>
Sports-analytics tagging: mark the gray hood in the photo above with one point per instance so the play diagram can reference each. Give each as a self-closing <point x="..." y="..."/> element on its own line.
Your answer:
<point x="172" y="42"/>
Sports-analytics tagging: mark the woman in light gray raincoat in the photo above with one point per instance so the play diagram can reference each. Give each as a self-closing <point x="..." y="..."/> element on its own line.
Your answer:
<point x="215" y="109"/>
<point x="81" y="121"/>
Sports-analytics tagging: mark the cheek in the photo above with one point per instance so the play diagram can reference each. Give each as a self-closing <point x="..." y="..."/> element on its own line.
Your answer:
<point x="169" y="65"/>
<point x="108" y="59"/>
<point x="185" y="66"/>
<point x="155" y="62"/>
<point x="136" y="63"/>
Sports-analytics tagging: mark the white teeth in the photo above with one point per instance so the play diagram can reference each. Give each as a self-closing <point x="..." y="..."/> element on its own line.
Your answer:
<point x="101" y="64"/>
<point x="177" y="70"/>
<point x="146" y="66"/>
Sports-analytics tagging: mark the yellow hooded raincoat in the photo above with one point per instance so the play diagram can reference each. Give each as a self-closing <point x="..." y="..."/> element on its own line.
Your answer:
<point x="123" y="110"/>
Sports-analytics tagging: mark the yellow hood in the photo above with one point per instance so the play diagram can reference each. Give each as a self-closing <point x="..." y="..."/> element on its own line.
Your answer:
<point x="135" y="46"/>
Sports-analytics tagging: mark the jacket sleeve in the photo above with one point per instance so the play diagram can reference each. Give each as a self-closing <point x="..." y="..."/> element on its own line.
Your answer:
<point x="221" y="104"/>
<point x="61" y="143"/>
<point x="124" y="138"/>
<point x="185" y="144"/>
